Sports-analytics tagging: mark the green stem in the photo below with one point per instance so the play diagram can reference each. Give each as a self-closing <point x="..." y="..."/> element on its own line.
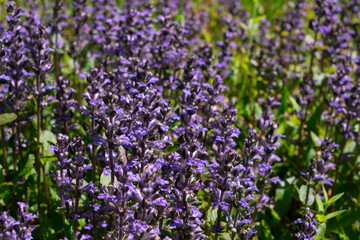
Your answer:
<point x="47" y="198"/>
<point x="38" y="167"/>
<point x="298" y="165"/>
<point x="219" y="214"/>
<point x="307" y="195"/>
<point x="77" y="200"/>
<point x="236" y="217"/>
<point x="340" y="156"/>
<point x="6" y="165"/>
<point x="262" y="191"/>
<point x="4" y="151"/>
<point x="356" y="153"/>
<point x="310" y="76"/>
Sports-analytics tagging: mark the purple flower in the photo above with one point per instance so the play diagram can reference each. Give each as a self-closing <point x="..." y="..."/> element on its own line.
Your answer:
<point x="20" y="229"/>
<point x="306" y="227"/>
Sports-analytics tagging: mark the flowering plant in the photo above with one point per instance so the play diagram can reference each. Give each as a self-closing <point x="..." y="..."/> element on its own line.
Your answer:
<point x="179" y="120"/>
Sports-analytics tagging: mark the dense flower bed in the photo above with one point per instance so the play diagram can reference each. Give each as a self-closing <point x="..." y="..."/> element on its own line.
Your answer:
<point x="180" y="119"/>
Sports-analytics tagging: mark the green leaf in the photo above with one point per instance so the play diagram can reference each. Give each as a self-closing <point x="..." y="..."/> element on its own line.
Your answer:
<point x="321" y="233"/>
<point x="296" y="106"/>
<point x="319" y="204"/>
<point x="275" y="215"/>
<point x="180" y="16"/>
<point x="343" y="236"/>
<point x="106" y="180"/>
<point x="46" y="159"/>
<point x="29" y="164"/>
<point x="46" y="138"/>
<point x="243" y="26"/>
<point x="6" y="184"/>
<point x="319" y="79"/>
<point x="311" y="153"/>
<point x="7" y="117"/>
<point x="122" y="150"/>
<point x="225" y="236"/>
<point x="348" y="218"/>
<point x="334" y="214"/>
<point x="321" y="47"/>
<point x="283" y="198"/>
<point x="284" y="101"/>
<point x="212" y="214"/>
<point x="252" y="27"/>
<point x="302" y="195"/>
<point x="296" y="192"/>
<point x="293" y="122"/>
<point x="335" y="198"/>
<point x="350" y="147"/>
<point x="265" y="231"/>
<point x="85" y="50"/>
<point x="321" y="218"/>
<point x="325" y="195"/>
<point x="316" y="140"/>
<point x="259" y="18"/>
<point x="291" y="180"/>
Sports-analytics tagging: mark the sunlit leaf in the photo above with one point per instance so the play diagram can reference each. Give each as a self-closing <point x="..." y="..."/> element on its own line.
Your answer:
<point x="7" y="117"/>
<point x="334" y="214"/>
<point x="321" y="233"/>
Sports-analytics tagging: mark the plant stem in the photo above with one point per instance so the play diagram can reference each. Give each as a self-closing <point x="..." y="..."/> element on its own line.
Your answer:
<point x="57" y="60"/>
<point x="356" y="153"/>
<point x="230" y="212"/>
<point x="61" y="185"/>
<point x="262" y="191"/>
<point x="77" y="200"/>
<point x="39" y="127"/>
<point x="313" y="49"/>
<point x="307" y="194"/>
<point x="300" y="144"/>
<point x="219" y="214"/>
<point x="236" y="217"/>
<point x="110" y="141"/>
<point x="4" y="151"/>
<point x="6" y="165"/>
<point x="93" y="157"/>
<point x="38" y="147"/>
<point x="112" y="166"/>
<point x="47" y="199"/>
<point x="303" y="120"/>
<point x="341" y="155"/>
<point x="19" y="153"/>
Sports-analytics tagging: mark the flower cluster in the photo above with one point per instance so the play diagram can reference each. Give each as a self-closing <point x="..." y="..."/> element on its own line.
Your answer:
<point x="306" y="227"/>
<point x="178" y="119"/>
<point x="11" y="229"/>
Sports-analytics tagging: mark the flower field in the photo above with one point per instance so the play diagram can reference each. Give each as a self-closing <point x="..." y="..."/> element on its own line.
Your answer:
<point x="180" y="119"/>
